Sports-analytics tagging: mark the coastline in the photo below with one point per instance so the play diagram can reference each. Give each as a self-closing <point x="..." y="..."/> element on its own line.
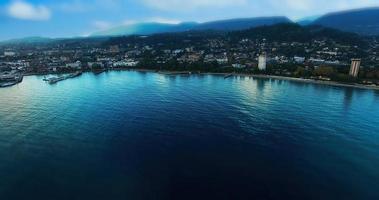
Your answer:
<point x="173" y="73"/>
<point x="310" y="81"/>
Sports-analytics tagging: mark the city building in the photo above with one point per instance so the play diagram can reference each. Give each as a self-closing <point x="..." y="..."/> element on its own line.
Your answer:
<point x="125" y="63"/>
<point x="75" y="65"/>
<point x="298" y="59"/>
<point x="114" y="49"/>
<point x="262" y="60"/>
<point x="93" y="65"/>
<point x="9" y="53"/>
<point x="238" y="66"/>
<point x="355" y="66"/>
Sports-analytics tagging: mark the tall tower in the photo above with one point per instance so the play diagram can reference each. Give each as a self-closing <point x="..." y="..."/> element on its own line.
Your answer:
<point x="354" y="68"/>
<point x="262" y="60"/>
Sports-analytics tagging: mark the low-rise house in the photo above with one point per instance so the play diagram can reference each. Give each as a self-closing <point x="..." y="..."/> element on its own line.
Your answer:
<point x="298" y="59"/>
<point x="93" y="65"/>
<point x="238" y="66"/>
<point x="9" y="53"/>
<point x="125" y="63"/>
<point x="76" y="65"/>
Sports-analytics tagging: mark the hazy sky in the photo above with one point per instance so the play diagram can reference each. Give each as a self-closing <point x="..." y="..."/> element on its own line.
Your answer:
<point x="64" y="18"/>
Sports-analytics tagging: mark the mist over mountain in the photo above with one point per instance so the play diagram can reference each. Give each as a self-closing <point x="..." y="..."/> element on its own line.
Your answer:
<point x="241" y="24"/>
<point x="28" y="40"/>
<point x="146" y="29"/>
<point x="307" y="20"/>
<point x="221" y="25"/>
<point x="361" y="21"/>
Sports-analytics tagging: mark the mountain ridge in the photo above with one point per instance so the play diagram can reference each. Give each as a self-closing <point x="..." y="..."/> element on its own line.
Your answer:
<point x="364" y="21"/>
<point x="218" y="25"/>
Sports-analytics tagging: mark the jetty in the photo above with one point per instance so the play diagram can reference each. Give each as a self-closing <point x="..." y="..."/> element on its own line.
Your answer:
<point x="98" y="72"/>
<point x="174" y="73"/>
<point x="228" y="76"/>
<point x="54" y="80"/>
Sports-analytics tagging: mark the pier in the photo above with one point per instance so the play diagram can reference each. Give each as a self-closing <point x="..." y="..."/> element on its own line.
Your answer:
<point x="98" y="72"/>
<point x="175" y="73"/>
<point x="228" y="76"/>
<point x="54" y="80"/>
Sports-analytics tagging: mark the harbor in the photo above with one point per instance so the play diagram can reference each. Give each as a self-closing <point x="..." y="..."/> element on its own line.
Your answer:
<point x="8" y="79"/>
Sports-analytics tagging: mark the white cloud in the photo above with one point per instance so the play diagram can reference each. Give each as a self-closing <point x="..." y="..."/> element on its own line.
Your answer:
<point x="26" y="11"/>
<point x="290" y="8"/>
<point x="181" y="5"/>
<point x="152" y="19"/>
<point x="129" y="22"/>
<point x="163" y="20"/>
<point x="309" y="5"/>
<point x="102" y="25"/>
<point x="301" y="8"/>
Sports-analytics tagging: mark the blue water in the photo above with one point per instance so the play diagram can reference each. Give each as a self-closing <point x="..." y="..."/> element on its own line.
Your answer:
<point x="134" y="135"/>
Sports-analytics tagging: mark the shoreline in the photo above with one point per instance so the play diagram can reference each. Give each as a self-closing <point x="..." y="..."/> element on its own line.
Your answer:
<point x="302" y="80"/>
<point x="173" y="73"/>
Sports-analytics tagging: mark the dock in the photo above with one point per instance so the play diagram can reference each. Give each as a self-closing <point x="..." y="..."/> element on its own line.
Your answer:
<point x="228" y="76"/>
<point x="54" y="80"/>
<point x="98" y="72"/>
<point x="175" y="73"/>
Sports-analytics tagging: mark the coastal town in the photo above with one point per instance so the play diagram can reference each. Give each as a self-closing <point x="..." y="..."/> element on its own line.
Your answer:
<point x="344" y="58"/>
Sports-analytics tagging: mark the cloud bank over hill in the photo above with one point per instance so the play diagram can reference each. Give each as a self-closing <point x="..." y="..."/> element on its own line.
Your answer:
<point x="52" y="18"/>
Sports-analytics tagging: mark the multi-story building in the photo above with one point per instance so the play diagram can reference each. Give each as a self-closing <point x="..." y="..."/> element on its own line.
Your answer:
<point x="262" y="60"/>
<point x="355" y="66"/>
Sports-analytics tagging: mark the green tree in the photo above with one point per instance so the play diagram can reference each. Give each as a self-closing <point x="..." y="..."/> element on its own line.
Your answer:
<point x="324" y="71"/>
